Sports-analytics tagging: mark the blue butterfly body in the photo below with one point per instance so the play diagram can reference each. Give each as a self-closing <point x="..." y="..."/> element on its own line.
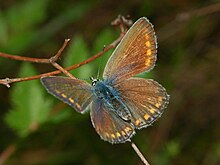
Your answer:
<point x="119" y="103"/>
<point x="104" y="92"/>
<point x="110" y="97"/>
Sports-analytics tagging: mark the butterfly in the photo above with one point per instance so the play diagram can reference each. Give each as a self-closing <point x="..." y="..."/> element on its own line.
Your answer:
<point x="119" y="103"/>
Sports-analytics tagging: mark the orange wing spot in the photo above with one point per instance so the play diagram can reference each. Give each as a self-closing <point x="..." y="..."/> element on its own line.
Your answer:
<point x="113" y="136"/>
<point x="57" y="91"/>
<point x="127" y="129"/>
<point x="118" y="134"/>
<point x="160" y="99"/>
<point x="123" y="133"/>
<point x="63" y="95"/>
<point x="78" y="106"/>
<point x="137" y="122"/>
<point x="148" y="44"/>
<point x="157" y="105"/>
<point x="149" y="52"/>
<point x="71" y="100"/>
<point x="152" y="110"/>
<point x="146" y="36"/>
<point x="147" y="62"/>
<point x="146" y="116"/>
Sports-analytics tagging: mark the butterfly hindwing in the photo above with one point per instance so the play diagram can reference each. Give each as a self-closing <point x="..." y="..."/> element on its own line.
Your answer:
<point x="74" y="92"/>
<point x="135" y="53"/>
<point x="145" y="99"/>
<point x="109" y="125"/>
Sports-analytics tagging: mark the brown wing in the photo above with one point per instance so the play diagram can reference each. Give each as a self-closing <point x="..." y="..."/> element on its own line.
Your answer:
<point x="145" y="99"/>
<point x="74" y="92"/>
<point x="135" y="53"/>
<point x="109" y="125"/>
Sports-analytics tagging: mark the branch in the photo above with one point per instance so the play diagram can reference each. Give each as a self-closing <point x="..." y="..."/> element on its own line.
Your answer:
<point x="138" y="152"/>
<point x="8" y="81"/>
<point x="7" y="153"/>
<point x="179" y="22"/>
<point x="36" y="60"/>
<point x="52" y="60"/>
<point x="203" y="11"/>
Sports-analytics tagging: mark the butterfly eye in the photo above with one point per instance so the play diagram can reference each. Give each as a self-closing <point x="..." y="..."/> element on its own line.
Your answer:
<point x="94" y="81"/>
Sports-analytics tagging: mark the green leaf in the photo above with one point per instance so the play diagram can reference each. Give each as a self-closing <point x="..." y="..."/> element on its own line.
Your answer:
<point x="23" y="16"/>
<point x="77" y="53"/>
<point x="30" y="108"/>
<point x="173" y="148"/>
<point x="22" y="20"/>
<point x="167" y="153"/>
<point x="61" y="116"/>
<point x="72" y="13"/>
<point x="104" y="38"/>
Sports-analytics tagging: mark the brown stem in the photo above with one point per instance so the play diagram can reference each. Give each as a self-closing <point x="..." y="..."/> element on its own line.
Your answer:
<point x="141" y="156"/>
<point x="8" y="81"/>
<point x="21" y="58"/>
<point x="173" y="27"/>
<point x="7" y="153"/>
<point x="60" y="51"/>
<point x="56" y="65"/>
<point x="199" y="12"/>
<point x="53" y="59"/>
<point x="37" y="60"/>
<point x="122" y="22"/>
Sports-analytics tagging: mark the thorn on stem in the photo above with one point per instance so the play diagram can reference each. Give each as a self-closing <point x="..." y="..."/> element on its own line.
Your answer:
<point x="6" y="82"/>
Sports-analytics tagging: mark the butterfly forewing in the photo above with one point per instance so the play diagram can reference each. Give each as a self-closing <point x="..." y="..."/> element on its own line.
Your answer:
<point x="145" y="99"/>
<point x="109" y="125"/>
<point x="136" y="53"/>
<point x="74" y="92"/>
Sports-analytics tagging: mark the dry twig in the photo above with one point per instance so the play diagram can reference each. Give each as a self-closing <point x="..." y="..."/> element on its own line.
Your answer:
<point x="52" y="60"/>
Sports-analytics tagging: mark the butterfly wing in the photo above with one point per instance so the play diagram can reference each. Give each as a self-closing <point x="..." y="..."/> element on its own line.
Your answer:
<point x="109" y="125"/>
<point x="134" y="54"/>
<point x="145" y="99"/>
<point x="74" y="92"/>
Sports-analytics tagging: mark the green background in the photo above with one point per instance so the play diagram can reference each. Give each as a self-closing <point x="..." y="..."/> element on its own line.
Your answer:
<point x="42" y="130"/>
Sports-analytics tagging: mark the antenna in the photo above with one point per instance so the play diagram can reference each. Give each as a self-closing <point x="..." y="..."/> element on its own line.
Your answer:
<point x="100" y="62"/>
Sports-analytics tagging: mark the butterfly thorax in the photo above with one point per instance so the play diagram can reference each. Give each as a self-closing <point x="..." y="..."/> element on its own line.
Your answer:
<point x="104" y="92"/>
<point x="110" y="97"/>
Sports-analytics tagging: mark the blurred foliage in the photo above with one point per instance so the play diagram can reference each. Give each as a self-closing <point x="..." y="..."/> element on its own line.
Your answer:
<point x="19" y="22"/>
<point x="46" y="131"/>
<point x="30" y="107"/>
<point x="76" y="53"/>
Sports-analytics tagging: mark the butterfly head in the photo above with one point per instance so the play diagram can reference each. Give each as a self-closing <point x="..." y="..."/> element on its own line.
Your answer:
<point x="94" y="80"/>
